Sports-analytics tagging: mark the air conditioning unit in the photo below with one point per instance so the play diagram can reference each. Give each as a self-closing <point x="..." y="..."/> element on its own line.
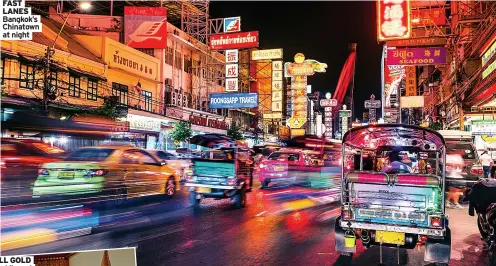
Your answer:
<point x="174" y="98"/>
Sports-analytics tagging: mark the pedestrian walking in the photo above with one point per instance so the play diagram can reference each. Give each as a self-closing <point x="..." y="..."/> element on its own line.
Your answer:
<point x="486" y="162"/>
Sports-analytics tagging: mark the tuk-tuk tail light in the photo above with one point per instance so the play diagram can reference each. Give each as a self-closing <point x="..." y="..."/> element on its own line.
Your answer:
<point x="436" y="221"/>
<point x="477" y="170"/>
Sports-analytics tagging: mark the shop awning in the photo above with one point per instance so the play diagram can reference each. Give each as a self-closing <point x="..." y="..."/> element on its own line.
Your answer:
<point x="82" y="72"/>
<point x="484" y="93"/>
<point x="9" y="54"/>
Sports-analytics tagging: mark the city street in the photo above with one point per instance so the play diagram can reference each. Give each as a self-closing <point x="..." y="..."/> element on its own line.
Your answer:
<point x="172" y="233"/>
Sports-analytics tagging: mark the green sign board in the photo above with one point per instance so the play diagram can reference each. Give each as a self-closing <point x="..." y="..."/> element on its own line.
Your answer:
<point x="344" y="113"/>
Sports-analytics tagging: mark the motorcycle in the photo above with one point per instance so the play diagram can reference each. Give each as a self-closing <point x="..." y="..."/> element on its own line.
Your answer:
<point x="482" y="201"/>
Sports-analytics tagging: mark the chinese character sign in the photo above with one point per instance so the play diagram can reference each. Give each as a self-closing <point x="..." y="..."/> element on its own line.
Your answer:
<point x="394" y="19"/>
<point x="232" y="56"/>
<point x="231" y="70"/>
<point x="231" y="84"/>
<point x="277" y="84"/>
<point x="411" y="81"/>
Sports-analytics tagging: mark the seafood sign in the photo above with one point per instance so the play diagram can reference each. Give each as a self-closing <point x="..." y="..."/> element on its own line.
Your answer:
<point x="234" y="40"/>
<point x="416" y="56"/>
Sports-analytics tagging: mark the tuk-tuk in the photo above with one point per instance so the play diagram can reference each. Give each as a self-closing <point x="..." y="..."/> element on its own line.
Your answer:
<point x="388" y="196"/>
<point x="222" y="173"/>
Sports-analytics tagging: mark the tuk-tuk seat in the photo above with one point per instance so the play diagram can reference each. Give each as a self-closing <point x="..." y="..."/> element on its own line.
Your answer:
<point x="417" y="179"/>
<point x="367" y="177"/>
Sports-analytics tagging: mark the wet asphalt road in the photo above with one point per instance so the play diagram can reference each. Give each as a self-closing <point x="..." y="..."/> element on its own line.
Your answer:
<point x="171" y="233"/>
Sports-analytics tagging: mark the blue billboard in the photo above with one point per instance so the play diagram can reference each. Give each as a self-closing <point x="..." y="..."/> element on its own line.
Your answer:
<point x="233" y="100"/>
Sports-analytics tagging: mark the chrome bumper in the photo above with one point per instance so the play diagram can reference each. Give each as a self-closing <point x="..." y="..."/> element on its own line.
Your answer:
<point x="393" y="228"/>
<point x="211" y="186"/>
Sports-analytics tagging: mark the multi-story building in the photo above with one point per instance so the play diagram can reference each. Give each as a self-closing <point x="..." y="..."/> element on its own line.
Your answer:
<point x="468" y="84"/>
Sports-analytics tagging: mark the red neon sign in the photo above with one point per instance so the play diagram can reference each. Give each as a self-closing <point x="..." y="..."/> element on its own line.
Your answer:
<point x="393" y="19"/>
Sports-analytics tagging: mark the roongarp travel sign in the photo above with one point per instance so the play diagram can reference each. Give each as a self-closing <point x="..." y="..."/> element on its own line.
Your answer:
<point x="233" y="100"/>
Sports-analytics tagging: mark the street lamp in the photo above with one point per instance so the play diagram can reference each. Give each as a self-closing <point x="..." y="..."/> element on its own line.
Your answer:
<point x="51" y="51"/>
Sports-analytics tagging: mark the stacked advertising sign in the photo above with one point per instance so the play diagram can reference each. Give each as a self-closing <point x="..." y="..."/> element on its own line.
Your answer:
<point x="299" y="71"/>
<point x="273" y="57"/>
<point x="145" y="27"/>
<point x="231" y="40"/>
<point x="344" y="115"/>
<point x="372" y="104"/>
<point x="328" y="104"/>
<point x="232" y="70"/>
<point x="394" y="19"/>
<point x="393" y="83"/>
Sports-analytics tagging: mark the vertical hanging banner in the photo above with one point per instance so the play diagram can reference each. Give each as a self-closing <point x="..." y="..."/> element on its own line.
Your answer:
<point x="232" y="70"/>
<point x="277" y="69"/>
<point x="411" y="81"/>
<point x="393" y="77"/>
<point x="328" y="104"/>
<point x="393" y="19"/>
<point x="344" y="115"/>
<point x="299" y="71"/>
<point x="145" y="27"/>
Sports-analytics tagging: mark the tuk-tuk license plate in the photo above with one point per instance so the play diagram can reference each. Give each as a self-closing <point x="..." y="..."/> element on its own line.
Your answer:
<point x="204" y="190"/>
<point x="390" y="237"/>
<point x="66" y="175"/>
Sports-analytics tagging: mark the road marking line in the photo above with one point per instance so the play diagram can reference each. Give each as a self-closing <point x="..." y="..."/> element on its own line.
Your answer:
<point x="260" y="214"/>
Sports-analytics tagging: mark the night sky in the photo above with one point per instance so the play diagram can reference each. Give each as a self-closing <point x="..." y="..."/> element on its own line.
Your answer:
<point x="321" y="31"/>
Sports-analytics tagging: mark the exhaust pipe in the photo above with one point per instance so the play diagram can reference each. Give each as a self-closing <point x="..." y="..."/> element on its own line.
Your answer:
<point x="365" y="237"/>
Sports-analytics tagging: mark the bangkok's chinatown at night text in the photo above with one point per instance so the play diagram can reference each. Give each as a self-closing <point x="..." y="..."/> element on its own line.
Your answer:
<point x="248" y="133"/>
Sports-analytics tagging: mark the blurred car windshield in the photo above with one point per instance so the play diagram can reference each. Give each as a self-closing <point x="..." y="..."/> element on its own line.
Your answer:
<point x="93" y="155"/>
<point x="284" y="156"/>
<point x="466" y="150"/>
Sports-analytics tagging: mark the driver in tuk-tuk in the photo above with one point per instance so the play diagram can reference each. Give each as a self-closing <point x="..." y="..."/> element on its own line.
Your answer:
<point x="399" y="164"/>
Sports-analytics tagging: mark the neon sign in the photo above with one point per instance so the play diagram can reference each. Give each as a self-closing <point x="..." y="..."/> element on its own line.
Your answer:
<point x="393" y="19"/>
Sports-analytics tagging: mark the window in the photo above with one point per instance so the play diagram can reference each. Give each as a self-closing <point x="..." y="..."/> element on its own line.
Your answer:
<point x="2" y="67"/>
<point x="147" y="100"/>
<point x="188" y="67"/>
<point x="179" y="61"/>
<point x="90" y="154"/>
<point x="169" y="56"/>
<point x="120" y="91"/>
<point x="130" y="157"/>
<point x="92" y="93"/>
<point x="74" y="86"/>
<point x="146" y="158"/>
<point x="26" y="80"/>
<point x="148" y="51"/>
<point x="53" y="79"/>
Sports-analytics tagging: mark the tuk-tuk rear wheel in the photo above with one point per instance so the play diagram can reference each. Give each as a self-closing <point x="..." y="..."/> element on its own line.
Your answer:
<point x="240" y="199"/>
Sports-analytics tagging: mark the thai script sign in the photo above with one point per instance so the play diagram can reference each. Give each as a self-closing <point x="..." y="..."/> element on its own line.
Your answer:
<point x="234" y="40"/>
<point x="133" y="61"/>
<point x="393" y="21"/>
<point x="268" y="54"/>
<point x="483" y="127"/>
<point x="416" y="56"/>
<point x="233" y="100"/>
<point x="145" y="27"/>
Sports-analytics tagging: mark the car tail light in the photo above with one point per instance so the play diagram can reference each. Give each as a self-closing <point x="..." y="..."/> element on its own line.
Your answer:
<point x="43" y="171"/>
<point x="436" y="221"/>
<point x="99" y="172"/>
<point x="477" y="170"/>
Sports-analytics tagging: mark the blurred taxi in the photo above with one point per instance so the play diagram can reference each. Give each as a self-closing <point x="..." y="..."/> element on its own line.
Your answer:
<point x="283" y="166"/>
<point x="183" y="167"/>
<point x="108" y="169"/>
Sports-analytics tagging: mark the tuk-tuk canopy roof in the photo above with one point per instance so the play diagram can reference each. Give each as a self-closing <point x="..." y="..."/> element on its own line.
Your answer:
<point x="373" y="136"/>
<point x="210" y="140"/>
